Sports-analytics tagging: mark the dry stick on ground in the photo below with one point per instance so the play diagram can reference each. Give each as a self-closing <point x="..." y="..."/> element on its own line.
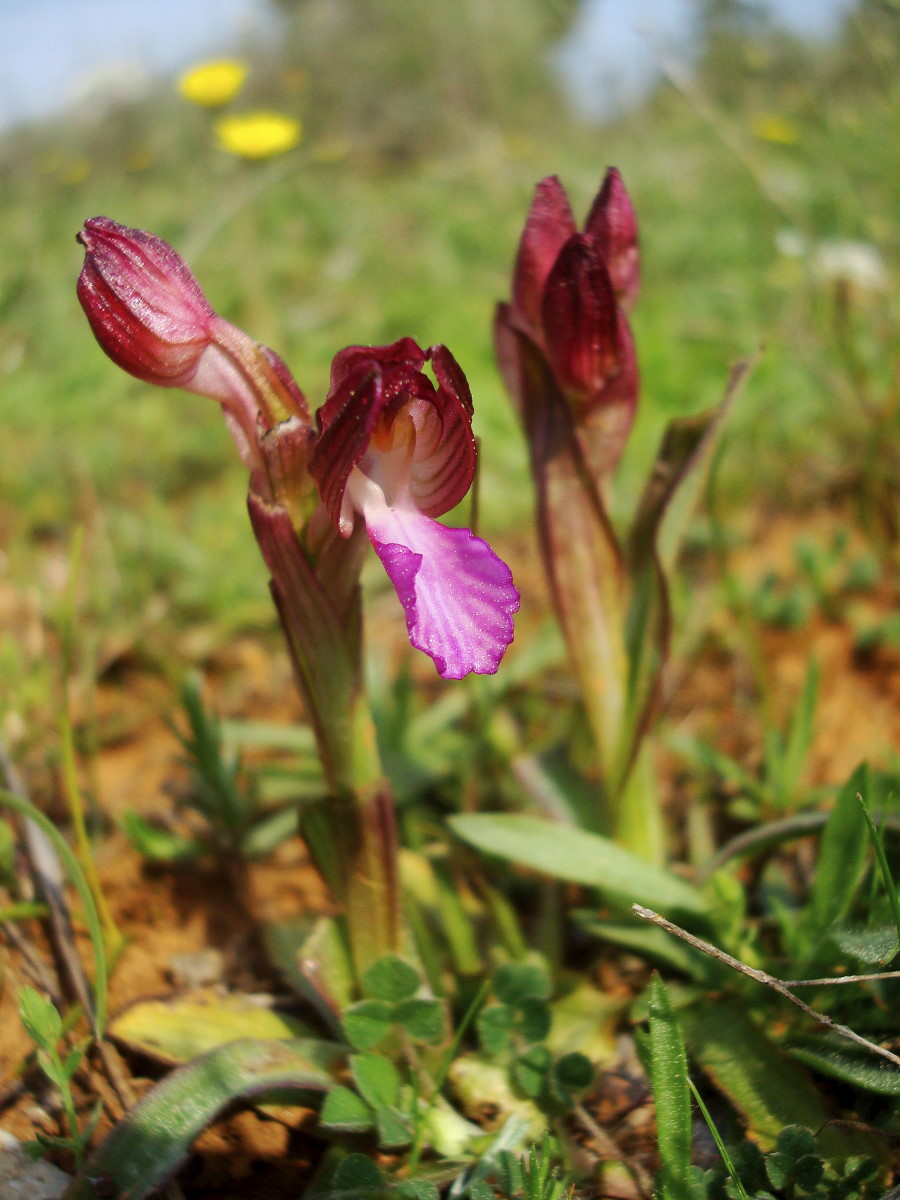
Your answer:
<point x="782" y="986"/>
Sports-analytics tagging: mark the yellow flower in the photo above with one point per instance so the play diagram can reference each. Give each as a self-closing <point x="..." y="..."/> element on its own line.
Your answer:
<point x="213" y="83"/>
<point x="774" y="128"/>
<point x="258" y="134"/>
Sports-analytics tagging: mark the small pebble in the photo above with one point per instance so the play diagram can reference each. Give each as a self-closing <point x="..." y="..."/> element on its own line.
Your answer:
<point x="24" y="1179"/>
<point x="200" y="969"/>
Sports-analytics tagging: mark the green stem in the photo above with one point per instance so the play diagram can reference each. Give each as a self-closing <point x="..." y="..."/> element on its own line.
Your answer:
<point x="91" y="916"/>
<point x="638" y="822"/>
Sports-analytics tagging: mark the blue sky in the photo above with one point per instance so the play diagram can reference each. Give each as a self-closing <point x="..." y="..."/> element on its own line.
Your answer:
<point x="611" y="55"/>
<point x="50" y="50"/>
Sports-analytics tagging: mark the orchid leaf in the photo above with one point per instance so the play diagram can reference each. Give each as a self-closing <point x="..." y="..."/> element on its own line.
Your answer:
<point x="579" y="857"/>
<point x="652" y="549"/>
<point x="152" y="1140"/>
<point x="178" y="1030"/>
<point x="677" y="478"/>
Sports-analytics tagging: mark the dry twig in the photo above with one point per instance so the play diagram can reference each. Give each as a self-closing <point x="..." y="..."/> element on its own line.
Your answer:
<point x="782" y="986"/>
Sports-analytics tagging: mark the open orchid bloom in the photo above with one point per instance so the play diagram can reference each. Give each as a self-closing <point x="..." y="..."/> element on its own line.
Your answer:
<point x="398" y="449"/>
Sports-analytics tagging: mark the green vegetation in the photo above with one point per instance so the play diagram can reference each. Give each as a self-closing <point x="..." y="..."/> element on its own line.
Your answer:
<point x="467" y="1066"/>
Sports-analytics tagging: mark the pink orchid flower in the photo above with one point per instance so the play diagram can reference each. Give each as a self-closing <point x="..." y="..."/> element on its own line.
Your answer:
<point x="398" y="449"/>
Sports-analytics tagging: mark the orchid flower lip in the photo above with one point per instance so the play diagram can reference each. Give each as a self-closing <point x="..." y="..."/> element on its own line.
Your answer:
<point x="397" y="449"/>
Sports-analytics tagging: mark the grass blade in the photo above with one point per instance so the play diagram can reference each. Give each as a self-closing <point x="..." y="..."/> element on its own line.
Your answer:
<point x="671" y="1094"/>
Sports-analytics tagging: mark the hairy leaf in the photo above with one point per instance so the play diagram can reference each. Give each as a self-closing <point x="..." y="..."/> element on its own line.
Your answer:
<point x="150" y="1142"/>
<point x="671" y="1094"/>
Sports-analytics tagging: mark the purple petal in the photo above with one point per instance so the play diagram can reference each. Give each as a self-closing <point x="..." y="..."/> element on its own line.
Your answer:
<point x="458" y="596"/>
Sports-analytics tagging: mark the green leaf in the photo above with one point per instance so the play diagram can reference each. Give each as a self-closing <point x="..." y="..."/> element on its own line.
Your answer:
<point x="841" y="1061"/>
<point x="649" y="941"/>
<point x="422" y="1019"/>
<point x="390" y="979"/>
<point x="530" y="1070"/>
<point x="764" y="1084"/>
<point x="417" y="1189"/>
<point x="42" y="1022"/>
<point x="807" y="1172"/>
<point x="842" y="854"/>
<point x="270" y="831"/>
<point x="574" y="1071"/>
<point x="513" y="983"/>
<point x="345" y="1111"/>
<point x="156" y="844"/>
<point x="579" y="857"/>
<point x="494" y="1025"/>
<point x="870" y="947"/>
<point x="151" y="1141"/>
<point x="479" y="1190"/>
<point x="777" y="1170"/>
<point x="72" y="1062"/>
<point x="394" y="1127"/>
<point x="7" y="851"/>
<point x="671" y="1095"/>
<point x="794" y="1142"/>
<point x="359" y="1175"/>
<point x="367" y="1023"/>
<point x="377" y="1079"/>
<point x="511" y="1174"/>
<point x="533" y="1020"/>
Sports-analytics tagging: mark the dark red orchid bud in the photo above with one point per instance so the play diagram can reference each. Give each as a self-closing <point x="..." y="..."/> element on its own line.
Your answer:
<point x="548" y="227"/>
<point x="144" y="306"/>
<point x="613" y="225"/>
<point x="149" y="314"/>
<point x="581" y="321"/>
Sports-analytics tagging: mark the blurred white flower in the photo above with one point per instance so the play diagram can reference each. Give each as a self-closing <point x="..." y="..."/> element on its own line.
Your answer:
<point x="856" y="263"/>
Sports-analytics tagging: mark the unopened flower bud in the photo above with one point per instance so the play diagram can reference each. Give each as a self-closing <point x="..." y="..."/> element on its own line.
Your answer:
<point x="612" y="223"/>
<point x="151" y="317"/>
<point x="144" y="305"/>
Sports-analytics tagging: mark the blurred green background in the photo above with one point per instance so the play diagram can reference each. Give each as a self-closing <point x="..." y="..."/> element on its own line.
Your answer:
<point x="767" y="185"/>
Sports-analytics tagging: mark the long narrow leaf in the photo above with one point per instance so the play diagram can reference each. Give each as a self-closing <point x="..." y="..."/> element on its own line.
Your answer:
<point x="671" y="1095"/>
<point x="578" y="857"/>
<point x="841" y="856"/>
